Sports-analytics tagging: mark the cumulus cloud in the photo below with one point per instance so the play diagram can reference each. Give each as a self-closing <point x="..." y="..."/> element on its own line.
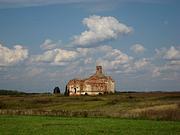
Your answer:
<point x="48" y="45"/>
<point x="100" y="29"/>
<point x="137" y="48"/>
<point x="56" y="56"/>
<point x="166" y="71"/>
<point x="12" y="56"/>
<point x="168" y="60"/>
<point x="135" y="66"/>
<point x="115" y="60"/>
<point x="112" y="59"/>
<point x="141" y="63"/>
<point x="103" y="53"/>
<point x="172" y="53"/>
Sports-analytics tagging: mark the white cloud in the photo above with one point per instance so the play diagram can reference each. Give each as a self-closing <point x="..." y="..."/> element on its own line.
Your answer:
<point x="117" y="61"/>
<point x="175" y="62"/>
<point x="117" y="56"/>
<point x="48" y="45"/>
<point x="166" y="72"/>
<point x="108" y="57"/>
<point x="60" y="56"/>
<point x="100" y="29"/>
<point x="172" y="54"/>
<point x="135" y="66"/>
<point x="112" y="59"/>
<point x="56" y="56"/>
<point x="167" y="63"/>
<point x="12" y="56"/>
<point x="141" y="63"/>
<point x="137" y="48"/>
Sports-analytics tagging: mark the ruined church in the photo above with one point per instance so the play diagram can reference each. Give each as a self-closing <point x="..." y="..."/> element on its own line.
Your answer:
<point x="96" y="84"/>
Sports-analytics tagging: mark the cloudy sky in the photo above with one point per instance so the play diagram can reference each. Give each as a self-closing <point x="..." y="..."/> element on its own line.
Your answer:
<point x="45" y="43"/>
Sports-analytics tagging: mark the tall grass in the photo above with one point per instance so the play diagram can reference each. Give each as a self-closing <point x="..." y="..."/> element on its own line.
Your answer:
<point x="163" y="106"/>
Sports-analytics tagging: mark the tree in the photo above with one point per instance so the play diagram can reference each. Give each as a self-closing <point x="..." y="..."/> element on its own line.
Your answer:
<point x="66" y="93"/>
<point x="56" y="90"/>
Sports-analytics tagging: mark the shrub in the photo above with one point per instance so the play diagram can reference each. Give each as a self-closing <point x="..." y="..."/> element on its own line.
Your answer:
<point x="56" y="90"/>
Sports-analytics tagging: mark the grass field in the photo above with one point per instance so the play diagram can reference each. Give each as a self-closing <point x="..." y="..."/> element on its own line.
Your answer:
<point x="46" y="125"/>
<point x="158" y="106"/>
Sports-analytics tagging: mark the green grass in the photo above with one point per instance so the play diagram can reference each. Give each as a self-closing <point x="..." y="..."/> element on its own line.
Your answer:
<point x="46" y="125"/>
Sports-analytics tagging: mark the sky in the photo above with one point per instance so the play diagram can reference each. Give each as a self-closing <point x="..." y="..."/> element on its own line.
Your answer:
<point x="45" y="43"/>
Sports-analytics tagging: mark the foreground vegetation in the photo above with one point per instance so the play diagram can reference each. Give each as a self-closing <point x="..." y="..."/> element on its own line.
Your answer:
<point x="35" y="125"/>
<point x="158" y="105"/>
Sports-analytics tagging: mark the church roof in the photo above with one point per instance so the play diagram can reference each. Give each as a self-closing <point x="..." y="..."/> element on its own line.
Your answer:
<point x="98" y="77"/>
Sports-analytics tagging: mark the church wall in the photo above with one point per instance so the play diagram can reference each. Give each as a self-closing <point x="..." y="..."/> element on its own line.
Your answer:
<point x="94" y="85"/>
<point x="74" y="89"/>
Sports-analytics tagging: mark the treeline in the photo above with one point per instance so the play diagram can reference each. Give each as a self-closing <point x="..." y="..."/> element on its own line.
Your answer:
<point x="11" y="92"/>
<point x="16" y="93"/>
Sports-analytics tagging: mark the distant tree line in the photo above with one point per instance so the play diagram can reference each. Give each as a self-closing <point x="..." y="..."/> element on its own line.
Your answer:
<point x="11" y="92"/>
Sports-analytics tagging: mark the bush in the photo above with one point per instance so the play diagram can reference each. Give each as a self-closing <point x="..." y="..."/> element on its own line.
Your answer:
<point x="56" y="90"/>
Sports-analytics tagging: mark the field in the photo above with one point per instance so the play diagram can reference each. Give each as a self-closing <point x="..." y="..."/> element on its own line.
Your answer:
<point x="122" y="113"/>
<point x="154" y="106"/>
<point x="46" y="125"/>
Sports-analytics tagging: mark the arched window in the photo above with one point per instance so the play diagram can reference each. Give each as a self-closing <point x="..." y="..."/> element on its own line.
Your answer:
<point x="74" y="90"/>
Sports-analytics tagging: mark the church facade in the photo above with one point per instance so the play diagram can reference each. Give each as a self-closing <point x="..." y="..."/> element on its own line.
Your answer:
<point x="96" y="84"/>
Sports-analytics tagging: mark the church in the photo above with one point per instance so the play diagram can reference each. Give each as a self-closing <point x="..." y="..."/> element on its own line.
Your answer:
<point x="97" y="84"/>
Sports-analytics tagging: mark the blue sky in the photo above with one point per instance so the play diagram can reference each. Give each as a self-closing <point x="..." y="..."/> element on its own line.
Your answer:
<point x="45" y="43"/>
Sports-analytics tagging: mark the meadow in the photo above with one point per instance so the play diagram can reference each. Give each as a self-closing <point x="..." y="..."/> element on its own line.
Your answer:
<point x="48" y="125"/>
<point x="152" y="105"/>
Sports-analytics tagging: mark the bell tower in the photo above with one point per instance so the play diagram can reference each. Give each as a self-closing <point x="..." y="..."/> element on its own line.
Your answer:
<point x="98" y="69"/>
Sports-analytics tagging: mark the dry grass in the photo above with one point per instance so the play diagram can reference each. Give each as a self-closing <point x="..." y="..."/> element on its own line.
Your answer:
<point x="164" y="112"/>
<point x="164" y="106"/>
